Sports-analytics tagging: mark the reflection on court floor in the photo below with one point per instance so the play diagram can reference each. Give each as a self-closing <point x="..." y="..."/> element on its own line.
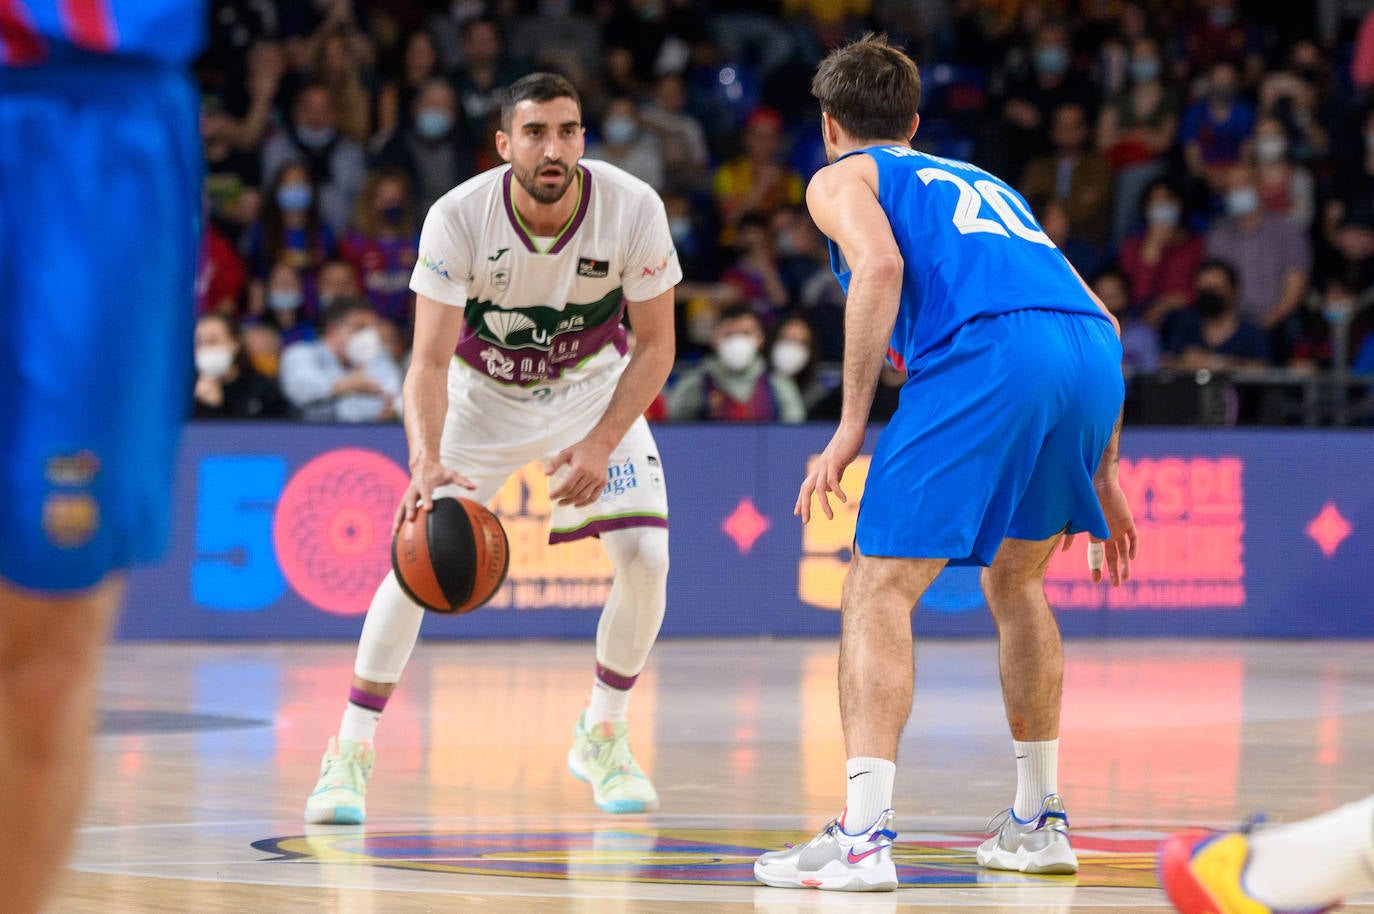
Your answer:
<point x="207" y="753"/>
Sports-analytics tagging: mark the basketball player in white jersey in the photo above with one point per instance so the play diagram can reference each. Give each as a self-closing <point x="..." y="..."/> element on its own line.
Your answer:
<point x="525" y="272"/>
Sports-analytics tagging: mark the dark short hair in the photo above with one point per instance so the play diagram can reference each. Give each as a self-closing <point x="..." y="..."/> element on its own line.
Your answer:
<point x="734" y="312"/>
<point x="536" y="87"/>
<point x="1224" y="266"/>
<point x="870" y="87"/>
<point x="338" y="310"/>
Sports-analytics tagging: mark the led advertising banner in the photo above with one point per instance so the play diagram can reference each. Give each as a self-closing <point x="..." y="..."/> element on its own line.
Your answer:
<point x="282" y="531"/>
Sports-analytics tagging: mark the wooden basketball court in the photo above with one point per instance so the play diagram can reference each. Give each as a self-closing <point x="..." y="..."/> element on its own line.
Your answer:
<point x="206" y="755"/>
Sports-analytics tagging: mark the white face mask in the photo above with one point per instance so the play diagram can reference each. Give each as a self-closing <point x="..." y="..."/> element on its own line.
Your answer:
<point x="1242" y="201"/>
<point x="737" y="351"/>
<point x="214" y="361"/>
<point x="1270" y="148"/>
<point x="790" y="357"/>
<point x="363" y="346"/>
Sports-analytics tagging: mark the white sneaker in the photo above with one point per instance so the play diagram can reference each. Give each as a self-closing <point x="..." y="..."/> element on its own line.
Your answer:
<point x="835" y="860"/>
<point x="1037" y="845"/>
<point x="601" y="756"/>
<point x="338" y="795"/>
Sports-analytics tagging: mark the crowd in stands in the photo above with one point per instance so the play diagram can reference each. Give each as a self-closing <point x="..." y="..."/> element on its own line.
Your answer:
<point x="1208" y="165"/>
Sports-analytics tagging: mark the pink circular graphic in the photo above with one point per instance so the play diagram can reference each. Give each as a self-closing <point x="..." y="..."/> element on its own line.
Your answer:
<point x="333" y="528"/>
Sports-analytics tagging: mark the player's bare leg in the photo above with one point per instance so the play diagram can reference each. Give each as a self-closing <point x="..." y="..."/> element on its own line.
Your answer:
<point x="1034" y="836"/>
<point x="876" y="664"/>
<point x="854" y="852"/>
<point x="49" y="657"/>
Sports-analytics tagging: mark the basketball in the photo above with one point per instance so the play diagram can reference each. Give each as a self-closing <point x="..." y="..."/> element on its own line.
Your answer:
<point x="453" y="558"/>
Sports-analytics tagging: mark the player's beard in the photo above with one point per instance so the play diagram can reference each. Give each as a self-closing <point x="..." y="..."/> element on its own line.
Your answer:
<point x="543" y="193"/>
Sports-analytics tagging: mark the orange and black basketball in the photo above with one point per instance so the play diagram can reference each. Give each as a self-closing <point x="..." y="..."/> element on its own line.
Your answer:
<point x="453" y="558"/>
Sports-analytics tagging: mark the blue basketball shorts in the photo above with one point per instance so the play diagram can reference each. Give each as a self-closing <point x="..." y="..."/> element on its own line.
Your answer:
<point x="100" y="205"/>
<point x="997" y="434"/>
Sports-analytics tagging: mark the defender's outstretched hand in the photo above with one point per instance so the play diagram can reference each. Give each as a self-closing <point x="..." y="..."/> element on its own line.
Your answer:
<point x="828" y="471"/>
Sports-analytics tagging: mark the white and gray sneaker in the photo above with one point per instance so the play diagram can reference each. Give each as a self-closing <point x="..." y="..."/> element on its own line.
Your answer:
<point x="1039" y="844"/>
<point x="835" y="860"/>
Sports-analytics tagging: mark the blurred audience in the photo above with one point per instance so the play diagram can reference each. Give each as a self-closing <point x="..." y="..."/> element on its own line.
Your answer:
<point x="384" y="245"/>
<point x="333" y="160"/>
<point x="735" y="383"/>
<point x="1271" y="254"/>
<point x="1145" y="134"/>
<point x="1214" y="334"/>
<point x="1160" y="260"/>
<point x="227" y="384"/>
<point x="346" y="375"/>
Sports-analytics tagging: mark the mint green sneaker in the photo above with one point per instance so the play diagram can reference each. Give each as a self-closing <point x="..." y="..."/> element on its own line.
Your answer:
<point x="338" y="795"/>
<point x="601" y="757"/>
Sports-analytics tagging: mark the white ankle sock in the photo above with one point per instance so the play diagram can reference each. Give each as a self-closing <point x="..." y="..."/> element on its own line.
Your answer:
<point x="869" y="792"/>
<point x="1310" y="864"/>
<point x="607" y="704"/>
<point x="1037" y="774"/>
<point x="359" y="725"/>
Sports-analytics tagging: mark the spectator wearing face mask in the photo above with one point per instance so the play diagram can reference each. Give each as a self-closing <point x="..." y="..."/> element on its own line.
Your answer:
<point x="346" y="375"/>
<point x="396" y="98"/>
<point x="1137" y="129"/>
<point x="793" y="355"/>
<point x="1214" y="334"/>
<point x="1033" y="93"/>
<point x="428" y="146"/>
<point x="334" y="162"/>
<point x="1161" y="259"/>
<point x="227" y="384"/>
<point x="626" y="144"/>
<point x="383" y="245"/>
<point x="1285" y="188"/>
<point x="735" y="383"/>
<point x="284" y="305"/>
<point x="1271" y="255"/>
<point x="291" y="232"/>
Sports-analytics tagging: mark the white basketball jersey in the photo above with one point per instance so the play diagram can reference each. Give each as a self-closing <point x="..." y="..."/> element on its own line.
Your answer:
<point x="542" y="310"/>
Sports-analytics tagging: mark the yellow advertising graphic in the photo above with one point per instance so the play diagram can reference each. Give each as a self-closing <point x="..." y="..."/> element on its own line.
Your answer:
<point x="573" y="575"/>
<point x="828" y="543"/>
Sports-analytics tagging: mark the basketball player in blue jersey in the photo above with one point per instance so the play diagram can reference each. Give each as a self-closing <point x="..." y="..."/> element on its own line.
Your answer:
<point x="1004" y="440"/>
<point x="100" y="179"/>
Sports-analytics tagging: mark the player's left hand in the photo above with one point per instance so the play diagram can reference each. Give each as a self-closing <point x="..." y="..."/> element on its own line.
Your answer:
<point x="828" y="471"/>
<point x="584" y="478"/>
<point x="1119" y="550"/>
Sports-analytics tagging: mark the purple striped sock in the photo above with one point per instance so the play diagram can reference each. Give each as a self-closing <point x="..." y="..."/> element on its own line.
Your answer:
<point x="366" y="699"/>
<point x="614" y="679"/>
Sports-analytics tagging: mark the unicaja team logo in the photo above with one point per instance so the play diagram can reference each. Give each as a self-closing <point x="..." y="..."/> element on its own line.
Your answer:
<point x="332" y="528"/>
<point x="501" y="324"/>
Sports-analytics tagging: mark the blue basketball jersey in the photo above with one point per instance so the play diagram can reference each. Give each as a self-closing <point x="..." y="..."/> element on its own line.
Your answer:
<point x="971" y="248"/>
<point x="34" y="32"/>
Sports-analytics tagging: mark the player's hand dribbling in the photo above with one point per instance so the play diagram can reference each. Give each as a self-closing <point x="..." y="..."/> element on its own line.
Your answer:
<point x="584" y="480"/>
<point x="419" y="495"/>
<point x="828" y="471"/>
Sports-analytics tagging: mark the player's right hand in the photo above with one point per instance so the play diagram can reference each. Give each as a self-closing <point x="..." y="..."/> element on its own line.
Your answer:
<point x="419" y="495"/>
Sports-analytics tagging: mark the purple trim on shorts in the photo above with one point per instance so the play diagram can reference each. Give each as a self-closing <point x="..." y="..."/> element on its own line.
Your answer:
<point x="367" y="700"/>
<point x="598" y="527"/>
<point x="514" y="219"/>
<point x="582" y="206"/>
<point x="614" y="679"/>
